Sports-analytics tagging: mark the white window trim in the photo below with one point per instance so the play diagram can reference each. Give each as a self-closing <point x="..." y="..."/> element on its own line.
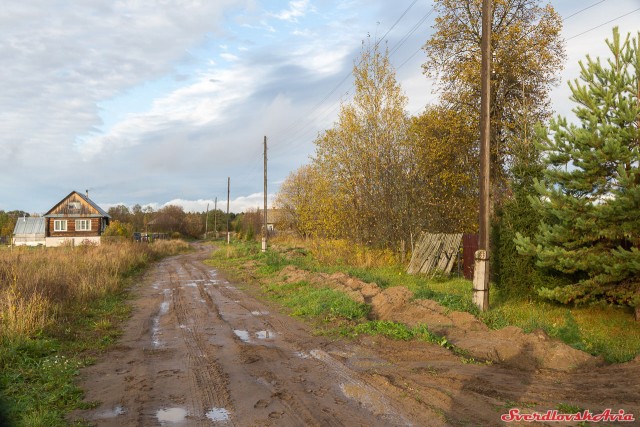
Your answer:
<point x="59" y="225"/>
<point x="80" y="227"/>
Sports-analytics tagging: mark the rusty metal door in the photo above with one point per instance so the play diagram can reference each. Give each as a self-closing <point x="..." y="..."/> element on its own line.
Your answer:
<point x="469" y="248"/>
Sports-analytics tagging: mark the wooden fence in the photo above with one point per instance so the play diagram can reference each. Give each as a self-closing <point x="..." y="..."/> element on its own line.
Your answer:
<point x="435" y="252"/>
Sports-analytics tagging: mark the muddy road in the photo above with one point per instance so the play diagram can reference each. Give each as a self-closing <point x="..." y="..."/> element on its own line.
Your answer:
<point x="201" y="351"/>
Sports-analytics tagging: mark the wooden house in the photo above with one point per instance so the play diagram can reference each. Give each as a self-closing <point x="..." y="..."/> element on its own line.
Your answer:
<point x="75" y="220"/>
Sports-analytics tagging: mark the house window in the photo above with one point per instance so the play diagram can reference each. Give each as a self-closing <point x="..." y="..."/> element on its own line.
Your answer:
<point x="83" y="224"/>
<point x="60" y="225"/>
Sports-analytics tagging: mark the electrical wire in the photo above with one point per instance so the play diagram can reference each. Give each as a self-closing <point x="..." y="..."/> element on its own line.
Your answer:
<point x="602" y="25"/>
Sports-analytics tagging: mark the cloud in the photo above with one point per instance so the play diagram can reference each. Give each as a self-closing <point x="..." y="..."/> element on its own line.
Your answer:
<point x="296" y="10"/>
<point x="237" y="205"/>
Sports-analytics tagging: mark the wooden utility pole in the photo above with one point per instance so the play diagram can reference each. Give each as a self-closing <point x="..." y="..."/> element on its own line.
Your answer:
<point x="228" y="194"/>
<point x="215" y="218"/>
<point x="481" y="271"/>
<point x="206" y="223"/>
<point x="264" y="224"/>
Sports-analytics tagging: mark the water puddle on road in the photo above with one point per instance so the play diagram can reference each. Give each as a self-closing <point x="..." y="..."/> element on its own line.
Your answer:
<point x="265" y="335"/>
<point x="218" y="414"/>
<point x="259" y="313"/>
<point x="112" y="413"/>
<point x="155" y="330"/>
<point x="242" y="334"/>
<point x="171" y="415"/>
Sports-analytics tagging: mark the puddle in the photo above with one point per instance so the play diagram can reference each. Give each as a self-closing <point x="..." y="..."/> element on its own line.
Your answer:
<point x="164" y="309"/>
<point x="112" y="413"/>
<point x="259" y="313"/>
<point x="171" y="415"/>
<point x="243" y="335"/>
<point x="263" y="335"/>
<point x="218" y="414"/>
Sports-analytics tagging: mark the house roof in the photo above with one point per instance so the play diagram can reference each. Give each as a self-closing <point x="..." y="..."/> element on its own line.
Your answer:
<point x="91" y="203"/>
<point x="29" y="226"/>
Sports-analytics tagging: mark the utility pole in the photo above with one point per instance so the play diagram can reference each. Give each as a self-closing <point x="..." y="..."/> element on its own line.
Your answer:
<point x="215" y="218"/>
<point x="481" y="268"/>
<point x="264" y="224"/>
<point x="206" y="223"/>
<point x="228" y="194"/>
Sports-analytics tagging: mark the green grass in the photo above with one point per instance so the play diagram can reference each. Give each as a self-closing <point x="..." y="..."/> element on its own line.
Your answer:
<point x="308" y="301"/>
<point x="607" y="331"/>
<point x="38" y="374"/>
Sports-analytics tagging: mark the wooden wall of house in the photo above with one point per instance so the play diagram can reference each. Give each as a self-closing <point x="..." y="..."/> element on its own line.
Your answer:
<point x="71" y="227"/>
<point x="65" y="208"/>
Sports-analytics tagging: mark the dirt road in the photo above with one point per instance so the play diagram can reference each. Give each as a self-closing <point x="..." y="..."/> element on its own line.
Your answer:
<point x="200" y="351"/>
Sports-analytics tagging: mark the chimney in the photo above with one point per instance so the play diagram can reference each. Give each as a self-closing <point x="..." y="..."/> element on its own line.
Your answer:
<point x="87" y="193"/>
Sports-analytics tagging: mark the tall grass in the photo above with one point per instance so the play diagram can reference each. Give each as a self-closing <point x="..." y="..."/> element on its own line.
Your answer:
<point x="37" y="284"/>
<point x="58" y="306"/>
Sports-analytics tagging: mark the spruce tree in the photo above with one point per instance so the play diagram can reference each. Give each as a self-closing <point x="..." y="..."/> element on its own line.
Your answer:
<point x="589" y="199"/>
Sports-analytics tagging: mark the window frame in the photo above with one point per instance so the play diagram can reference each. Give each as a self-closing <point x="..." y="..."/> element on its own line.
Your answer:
<point x="60" y="225"/>
<point x="83" y="221"/>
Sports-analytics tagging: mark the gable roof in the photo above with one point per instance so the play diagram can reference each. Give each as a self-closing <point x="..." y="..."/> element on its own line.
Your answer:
<point x="29" y="226"/>
<point x="90" y="202"/>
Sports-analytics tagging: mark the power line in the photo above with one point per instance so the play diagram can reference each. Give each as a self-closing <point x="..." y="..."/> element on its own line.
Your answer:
<point x="602" y="25"/>
<point x="582" y="10"/>
<point x="302" y="118"/>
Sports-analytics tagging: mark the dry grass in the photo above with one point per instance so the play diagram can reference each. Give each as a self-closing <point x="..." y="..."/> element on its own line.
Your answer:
<point x="36" y="284"/>
<point x="342" y="252"/>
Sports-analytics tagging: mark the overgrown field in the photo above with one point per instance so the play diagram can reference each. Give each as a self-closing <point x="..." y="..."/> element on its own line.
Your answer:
<point x="602" y="330"/>
<point x="58" y="308"/>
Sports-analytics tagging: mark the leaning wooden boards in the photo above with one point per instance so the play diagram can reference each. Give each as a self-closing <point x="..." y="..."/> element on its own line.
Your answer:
<point x="434" y="252"/>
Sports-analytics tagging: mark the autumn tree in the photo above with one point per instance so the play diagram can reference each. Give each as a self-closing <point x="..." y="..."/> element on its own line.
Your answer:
<point x="311" y="204"/>
<point x="120" y="213"/>
<point x="443" y="180"/>
<point x="590" y="196"/>
<point x="365" y="152"/>
<point x="118" y="228"/>
<point x="527" y="52"/>
<point x="193" y="224"/>
<point x="169" y="219"/>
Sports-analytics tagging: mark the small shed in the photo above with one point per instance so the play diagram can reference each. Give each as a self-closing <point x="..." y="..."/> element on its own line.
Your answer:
<point x="29" y="231"/>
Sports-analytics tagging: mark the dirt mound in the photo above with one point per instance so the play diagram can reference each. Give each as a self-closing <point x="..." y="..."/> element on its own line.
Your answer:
<point x="509" y="346"/>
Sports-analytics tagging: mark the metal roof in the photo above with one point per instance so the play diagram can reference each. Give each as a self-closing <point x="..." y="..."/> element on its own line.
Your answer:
<point x="96" y="207"/>
<point x="29" y="226"/>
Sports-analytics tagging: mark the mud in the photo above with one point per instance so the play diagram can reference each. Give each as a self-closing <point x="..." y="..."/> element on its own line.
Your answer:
<point x="200" y="351"/>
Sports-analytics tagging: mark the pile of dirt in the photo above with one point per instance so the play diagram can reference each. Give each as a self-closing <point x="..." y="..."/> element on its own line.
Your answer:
<point x="509" y="346"/>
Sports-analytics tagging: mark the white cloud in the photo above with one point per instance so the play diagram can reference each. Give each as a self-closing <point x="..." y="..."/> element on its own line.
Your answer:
<point x="296" y="10"/>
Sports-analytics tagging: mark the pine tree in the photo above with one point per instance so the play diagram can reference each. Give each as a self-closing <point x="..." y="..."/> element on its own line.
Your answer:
<point x="590" y="196"/>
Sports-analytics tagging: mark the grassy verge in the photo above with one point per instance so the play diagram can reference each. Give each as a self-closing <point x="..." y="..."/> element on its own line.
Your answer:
<point x="607" y="331"/>
<point x="59" y="308"/>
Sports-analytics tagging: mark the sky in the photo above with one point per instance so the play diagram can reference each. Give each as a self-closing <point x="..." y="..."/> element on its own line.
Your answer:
<point x="161" y="102"/>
